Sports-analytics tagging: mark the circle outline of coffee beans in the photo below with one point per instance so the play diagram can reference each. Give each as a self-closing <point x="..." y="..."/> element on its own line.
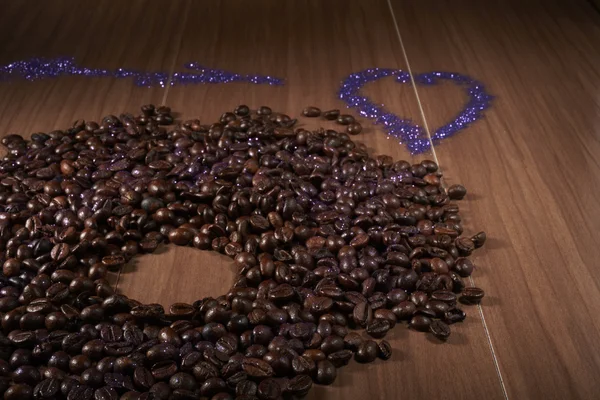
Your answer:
<point x="328" y="242"/>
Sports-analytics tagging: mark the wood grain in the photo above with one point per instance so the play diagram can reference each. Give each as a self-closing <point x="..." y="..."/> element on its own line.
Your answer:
<point x="532" y="168"/>
<point x="531" y="165"/>
<point x="97" y="36"/>
<point x="313" y="45"/>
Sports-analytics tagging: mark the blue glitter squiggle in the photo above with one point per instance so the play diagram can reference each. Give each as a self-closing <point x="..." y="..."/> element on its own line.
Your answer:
<point x="403" y="129"/>
<point x="40" y="68"/>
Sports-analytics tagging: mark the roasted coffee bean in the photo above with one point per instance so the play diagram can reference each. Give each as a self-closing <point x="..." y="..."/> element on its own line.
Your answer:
<point x="353" y="128"/>
<point x="181" y="236"/>
<point x="440" y="330"/>
<point x="345" y="119"/>
<point x="454" y="315"/>
<point x="204" y="370"/>
<point x="366" y="352"/>
<point x="331" y="114"/>
<point x="81" y="392"/>
<point x="143" y="378"/>
<point x="163" y="369"/>
<point x="299" y="385"/>
<point x="326" y="372"/>
<point x="362" y="314"/>
<point x="352" y="341"/>
<point x="182" y="380"/>
<point x="457" y="192"/>
<point x="18" y="391"/>
<point x="340" y="358"/>
<point x="257" y="368"/>
<point x="479" y="239"/>
<point x="384" y="350"/>
<point x="106" y="393"/>
<point x="311" y="112"/>
<point x="420" y="323"/>
<point x="246" y="388"/>
<point x="212" y="386"/>
<point x="464" y="246"/>
<point x="331" y="344"/>
<point x="464" y="267"/>
<point x="269" y="389"/>
<point x="47" y="389"/>
<point x="378" y="328"/>
<point x="472" y="295"/>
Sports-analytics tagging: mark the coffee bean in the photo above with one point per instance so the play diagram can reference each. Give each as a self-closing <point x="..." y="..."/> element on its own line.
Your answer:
<point x="353" y="128"/>
<point x="331" y="114"/>
<point x="113" y="261"/>
<point x="340" y="358"/>
<point x="464" y="246"/>
<point x="204" y="370"/>
<point x="311" y="112"/>
<point x="479" y="239"/>
<point x="384" y="350"/>
<point x="81" y="392"/>
<point x="163" y="369"/>
<point x="454" y="315"/>
<point x="472" y="295"/>
<point x="362" y="314"/>
<point x="269" y="389"/>
<point x="457" y="192"/>
<point x="326" y="372"/>
<point x="331" y="344"/>
<point x="439" y="329"/>
<point x="345" y="119"/>
<point x="352" y="341"/>
<point x="183" y="381"/>
<point x="257" y="368"/>
<point x="181" y="236"/>
<point x="60" y="252"/>
<point x="143" y="378"/>
<point x="111" y="333"/>
<point x="18" y="392"/>
<point x="106" y="393"/>
<point x="212" y="386"/>
<point x="47" y="389"/>
<point x="366" y="352"/>
<point x="444" y="295"/>
<point x="464" y="267"/>
<point x="299" y="385"/>
<point x="264" y="110"/>
<point x="378" y="328"/>
<point x="420" y="323"/>
<point x="246" y="388"/>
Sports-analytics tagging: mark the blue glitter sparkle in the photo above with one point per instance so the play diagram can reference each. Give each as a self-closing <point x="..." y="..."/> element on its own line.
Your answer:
<point x="40" y="68"/>
<point x="404" y="130"/>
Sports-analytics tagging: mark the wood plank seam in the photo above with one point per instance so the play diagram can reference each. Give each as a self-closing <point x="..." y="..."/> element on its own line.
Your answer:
<point x="166" y="92"/>
<point x="172" y="70"/>
<point x="443" y="184"/>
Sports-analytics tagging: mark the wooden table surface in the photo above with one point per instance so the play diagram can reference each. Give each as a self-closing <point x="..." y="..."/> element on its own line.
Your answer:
<point x="531" y="164"/>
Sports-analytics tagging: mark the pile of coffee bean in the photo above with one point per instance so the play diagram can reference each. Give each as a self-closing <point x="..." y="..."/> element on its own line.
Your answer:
<point x="329" y="242"/>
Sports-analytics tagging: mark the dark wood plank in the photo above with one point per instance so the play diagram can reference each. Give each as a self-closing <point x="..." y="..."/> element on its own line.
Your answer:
<point x="313" y="45"/>
<point x="532" y="169"/>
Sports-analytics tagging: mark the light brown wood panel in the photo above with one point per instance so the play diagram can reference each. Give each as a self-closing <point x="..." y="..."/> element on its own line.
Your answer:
<point x="532" y="170"/>
<point x="106" y="34"/>
<point x="313" y="45"/>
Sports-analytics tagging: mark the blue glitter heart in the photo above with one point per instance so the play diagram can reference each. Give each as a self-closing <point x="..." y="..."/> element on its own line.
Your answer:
<point x="407" y="132"/>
